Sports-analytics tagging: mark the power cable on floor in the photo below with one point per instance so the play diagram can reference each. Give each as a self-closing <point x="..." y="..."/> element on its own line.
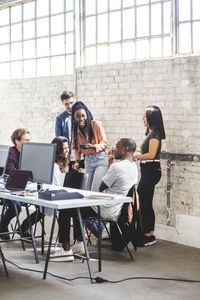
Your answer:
<point x="102" y="280"/>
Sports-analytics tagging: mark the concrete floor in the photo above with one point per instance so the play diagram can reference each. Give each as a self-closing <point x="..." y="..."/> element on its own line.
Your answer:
<point x="164" y="259"/>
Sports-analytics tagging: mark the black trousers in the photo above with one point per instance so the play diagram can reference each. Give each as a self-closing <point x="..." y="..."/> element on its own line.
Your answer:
<point x="64" y="222"/>
<point x="150" y="176"/>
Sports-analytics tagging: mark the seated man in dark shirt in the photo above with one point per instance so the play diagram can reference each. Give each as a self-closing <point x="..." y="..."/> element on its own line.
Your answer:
<point x="18" y="137"/>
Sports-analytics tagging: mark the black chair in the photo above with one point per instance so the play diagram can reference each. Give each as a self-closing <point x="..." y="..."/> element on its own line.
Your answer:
<point x="76" y="180"/>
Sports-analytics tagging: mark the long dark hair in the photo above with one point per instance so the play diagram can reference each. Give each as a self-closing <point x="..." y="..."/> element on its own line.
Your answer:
<point x="80" y="105"/>
<point x="155" y="120"/>
<point x="59" y="141"/>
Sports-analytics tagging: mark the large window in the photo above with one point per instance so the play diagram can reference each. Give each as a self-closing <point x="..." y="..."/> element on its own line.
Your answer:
<point x="117" y="30"/>
<point x="37" y="39"/>
<point x="53" y="37"/>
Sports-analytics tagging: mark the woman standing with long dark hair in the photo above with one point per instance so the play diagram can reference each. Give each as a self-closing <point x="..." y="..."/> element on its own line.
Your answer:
<point x="88" y="137"/>
<point x="150" y="168"/>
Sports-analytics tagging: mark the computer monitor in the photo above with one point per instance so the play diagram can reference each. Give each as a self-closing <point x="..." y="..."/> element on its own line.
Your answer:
<point x="38" y="158"/>
<point x="4" y="150"/>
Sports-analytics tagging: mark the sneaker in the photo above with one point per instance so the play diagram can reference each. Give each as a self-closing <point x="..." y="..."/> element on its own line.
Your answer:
<point x="78" y="247"/>
<point x="3" y="234"/>
<point x="149" y="240"/>
<point x="60" y="253"/>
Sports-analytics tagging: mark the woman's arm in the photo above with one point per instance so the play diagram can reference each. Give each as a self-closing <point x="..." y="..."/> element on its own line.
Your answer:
<point x="153" y="147"/>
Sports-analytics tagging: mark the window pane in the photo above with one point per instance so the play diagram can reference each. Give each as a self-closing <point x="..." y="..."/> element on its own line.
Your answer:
<point x="167" y="17"/>
<point x="90" y="29"/>
<point x="196" y="37"/>
<point x="128" y="23"/>
<point x="4" y="35"/>
<point x="115" y="4"/>
<point x="139" y="2"/>
<point x="115" y="26"/>
<point x="4" y="16"/>
<point x="16" y="51"/>
<point x="127" y="3"/>
<point x="156" y="19"/>
<point x="16" y="32"/>
<point x="57" y="24"/>
<point x="90" y="56"/>
<point x="167" y="46"/>
<point x="29" y="10"/>
<point x="4" y="50"/>
<point x="57" y="6"/>
<point x="184" y="10"/>
<point x="143" y="21"/>
<point x="58" y="65"/>
<point x="29" y="30"/>
<point x="102" y="54"/>
<point x="69" y="22"/>
<point x="29" y="68"/>
<point x="43" y="27"/>
<point x="102" y="28"/>
<point x="69" y="4"/>
<point x="16" y="13"/>
<point x="43" y="67"/>
<point x="185" y="38"/>
<point x="196" y="9"/>
<point x="16" y="69"/>
<point x="5" y="71"/>
<point x="69" y="64"/>
<point x="29" y="49"/>
<point x="128" y="51"/>
<point x="115" y="52"/>
<point x="57" y="45"/>
<point x="43" y="47"/>
<point x="142" y="49"/>
<point x="90" y="7"/>
<point x="156" y="47"/>
<point x="102" y="6"/>
<point x="42" y="8"/>
<point x="69" y="43"/>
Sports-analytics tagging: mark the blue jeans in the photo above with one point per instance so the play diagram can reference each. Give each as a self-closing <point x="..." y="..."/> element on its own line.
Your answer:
<point x="96" y="166"/>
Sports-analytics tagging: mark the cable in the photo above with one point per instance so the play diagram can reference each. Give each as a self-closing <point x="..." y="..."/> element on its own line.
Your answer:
<point x="102" y="280"/>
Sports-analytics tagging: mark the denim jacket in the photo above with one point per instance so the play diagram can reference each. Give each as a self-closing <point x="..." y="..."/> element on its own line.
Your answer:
<point x="61" y="126"/>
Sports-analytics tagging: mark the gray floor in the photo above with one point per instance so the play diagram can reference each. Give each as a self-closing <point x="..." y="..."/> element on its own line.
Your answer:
<point x="164" y="259"/>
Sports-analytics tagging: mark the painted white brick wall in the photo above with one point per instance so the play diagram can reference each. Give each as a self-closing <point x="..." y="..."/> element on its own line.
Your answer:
<point x="117" y="95"/>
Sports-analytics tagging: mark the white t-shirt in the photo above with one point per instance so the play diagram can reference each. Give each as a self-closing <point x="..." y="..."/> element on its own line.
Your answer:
<point x="120" y="177"/>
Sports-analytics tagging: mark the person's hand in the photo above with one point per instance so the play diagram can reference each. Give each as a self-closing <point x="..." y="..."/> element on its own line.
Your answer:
<point x="75" y="166"/>
<point x="111" y="156"/>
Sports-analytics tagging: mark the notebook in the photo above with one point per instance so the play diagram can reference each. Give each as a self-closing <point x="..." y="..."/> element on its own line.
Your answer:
<point x="17" y="180"/>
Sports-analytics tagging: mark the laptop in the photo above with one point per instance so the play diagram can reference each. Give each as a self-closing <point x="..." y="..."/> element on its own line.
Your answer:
<point x="17" y="180"/>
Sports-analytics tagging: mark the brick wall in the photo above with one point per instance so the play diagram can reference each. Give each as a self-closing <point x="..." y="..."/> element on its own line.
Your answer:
<point x="117" y="95"/>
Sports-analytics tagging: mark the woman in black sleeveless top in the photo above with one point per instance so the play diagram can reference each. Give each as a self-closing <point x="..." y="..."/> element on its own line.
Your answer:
<point x="150" y="168"/>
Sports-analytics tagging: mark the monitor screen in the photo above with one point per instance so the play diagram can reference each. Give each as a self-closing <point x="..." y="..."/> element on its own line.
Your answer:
<point x="4" y="150"/>
<point x="38" y="158"/>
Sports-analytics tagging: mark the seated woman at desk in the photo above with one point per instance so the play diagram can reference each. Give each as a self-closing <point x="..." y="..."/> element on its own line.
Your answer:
<point x="18" y="137"/>
<point x="118" y="180"/>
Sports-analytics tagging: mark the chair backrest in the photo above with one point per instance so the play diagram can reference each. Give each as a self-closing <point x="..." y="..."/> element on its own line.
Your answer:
<point x="4" y="151"/>
<point x="76" y="180"/>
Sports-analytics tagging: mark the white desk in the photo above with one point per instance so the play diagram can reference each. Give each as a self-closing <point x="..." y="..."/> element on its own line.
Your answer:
<point x="66" y="204"/>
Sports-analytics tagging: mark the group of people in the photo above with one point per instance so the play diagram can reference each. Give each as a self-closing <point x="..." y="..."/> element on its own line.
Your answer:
<point x="81" y="143"/>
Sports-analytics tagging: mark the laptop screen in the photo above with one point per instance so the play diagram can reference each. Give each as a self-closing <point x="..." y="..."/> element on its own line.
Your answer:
<point x="17" y="180"/>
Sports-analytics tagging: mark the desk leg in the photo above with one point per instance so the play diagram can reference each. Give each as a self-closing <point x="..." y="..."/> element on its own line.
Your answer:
<point x="99" y="237"/>
<point x="32" y="235"/>
<point x="50" y="242"/>
<point x="18" y="224"/>
<point x="86" y="248"/>
<point x="42" y="240"/>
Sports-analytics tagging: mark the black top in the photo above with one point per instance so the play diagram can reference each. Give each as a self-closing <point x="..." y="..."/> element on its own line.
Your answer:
<point x="145" y="144"/>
